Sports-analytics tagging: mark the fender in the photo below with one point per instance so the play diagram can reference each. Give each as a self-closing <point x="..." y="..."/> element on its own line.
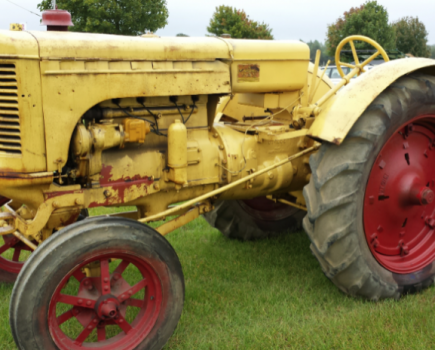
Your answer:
<point x="340" y="113"/>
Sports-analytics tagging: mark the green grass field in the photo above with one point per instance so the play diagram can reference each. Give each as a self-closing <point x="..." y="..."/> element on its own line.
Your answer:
<point x="272" y="295"/>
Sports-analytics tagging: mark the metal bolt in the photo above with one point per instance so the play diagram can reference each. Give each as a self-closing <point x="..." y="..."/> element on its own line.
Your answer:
<point x="88" y="303"/>
<point x="90" y="288"/>
<point x="215" y="135"/>
<point x="121" y="320"/>
<point x="427" y="196"/>
<point x="130" y="293"/>
<point x="106" y="280"/>
<point x="116" y="277"/>
<point x="80" y="301"/>
<point x="221" y="147"/>
<point x="86" y="283"/>
<point x="156" y="186"/>
<point x="107" y="193"/>
<point x="106" y="288"/>
<point x="89" y="327"/>
<point x="95" y="320"/>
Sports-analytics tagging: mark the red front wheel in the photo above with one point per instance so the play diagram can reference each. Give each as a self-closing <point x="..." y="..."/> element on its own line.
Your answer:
<point x="13" y="254"/>
<point x="103" y="284"/>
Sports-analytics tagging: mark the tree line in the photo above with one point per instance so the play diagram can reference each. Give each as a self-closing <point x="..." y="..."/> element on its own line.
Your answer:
<point x="134" y="17"/>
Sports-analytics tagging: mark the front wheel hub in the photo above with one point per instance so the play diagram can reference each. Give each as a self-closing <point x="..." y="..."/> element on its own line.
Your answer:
<point x="399" y="207"/>
<point x="108" y="309"/>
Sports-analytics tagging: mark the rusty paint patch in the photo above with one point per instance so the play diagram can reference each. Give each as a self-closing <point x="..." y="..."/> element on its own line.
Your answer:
<point x="248" y="73"/>
<point x="121" y="190"/>
<point x="61" y="193"/>
<point x="106" y="177"/>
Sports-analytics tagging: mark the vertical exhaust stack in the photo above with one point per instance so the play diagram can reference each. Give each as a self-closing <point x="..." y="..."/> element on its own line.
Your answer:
<point x="56" y="20"/>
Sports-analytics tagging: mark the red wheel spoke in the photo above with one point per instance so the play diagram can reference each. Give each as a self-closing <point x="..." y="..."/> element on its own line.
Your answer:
<point x="134" y="302"/>
<point x="16" y="256"/>
<point x="79" y="275"/>
<point x="64" y="317"/>
<point x="3" y="248"/>
<point x="121" y="267"/>
<point x="101" y="333"/>
<point x="76" y="301"/>
<point x="123" y="324"/>
<point x="86" y="331"/>
<point x="105" y="276"/>
<point x="133" y="290"/>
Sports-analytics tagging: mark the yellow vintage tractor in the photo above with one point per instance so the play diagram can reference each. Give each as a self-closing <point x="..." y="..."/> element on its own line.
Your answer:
<point x="248" y="133"/>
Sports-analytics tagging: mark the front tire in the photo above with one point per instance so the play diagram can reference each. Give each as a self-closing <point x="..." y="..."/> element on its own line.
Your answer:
<point x="105" y="283"/>
<point x="370" y="229"/>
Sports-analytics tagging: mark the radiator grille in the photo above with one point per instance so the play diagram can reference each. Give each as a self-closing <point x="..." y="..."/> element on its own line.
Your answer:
<point x="10" y="138"/>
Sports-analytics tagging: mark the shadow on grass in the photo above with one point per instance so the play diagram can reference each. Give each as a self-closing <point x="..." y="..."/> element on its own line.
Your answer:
<point x="272" y="294"/>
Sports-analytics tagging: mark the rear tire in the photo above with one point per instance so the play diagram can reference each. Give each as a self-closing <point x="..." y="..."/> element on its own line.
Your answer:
<point x="257" y="218"/>
<point x="340" y="217"/>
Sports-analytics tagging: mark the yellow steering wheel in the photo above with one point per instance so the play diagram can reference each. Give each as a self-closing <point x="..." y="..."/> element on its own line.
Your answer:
<point x="358" y="65"/>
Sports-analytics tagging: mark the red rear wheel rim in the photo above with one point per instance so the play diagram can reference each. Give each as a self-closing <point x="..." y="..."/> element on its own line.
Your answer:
<point x="11" y="251"/>
<point x="93" y="304"/>
<point x="399" y="203"/>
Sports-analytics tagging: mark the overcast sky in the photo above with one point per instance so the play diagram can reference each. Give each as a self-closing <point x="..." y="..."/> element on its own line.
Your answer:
<point x="306" y="20"/>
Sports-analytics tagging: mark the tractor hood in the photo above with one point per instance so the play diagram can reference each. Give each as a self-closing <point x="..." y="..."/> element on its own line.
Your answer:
<point x="70" y="45"/>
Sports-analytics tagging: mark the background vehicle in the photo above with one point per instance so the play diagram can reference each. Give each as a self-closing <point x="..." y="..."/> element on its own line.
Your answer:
<point x="333" y="73"/>
<point x="222" y="127"/>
